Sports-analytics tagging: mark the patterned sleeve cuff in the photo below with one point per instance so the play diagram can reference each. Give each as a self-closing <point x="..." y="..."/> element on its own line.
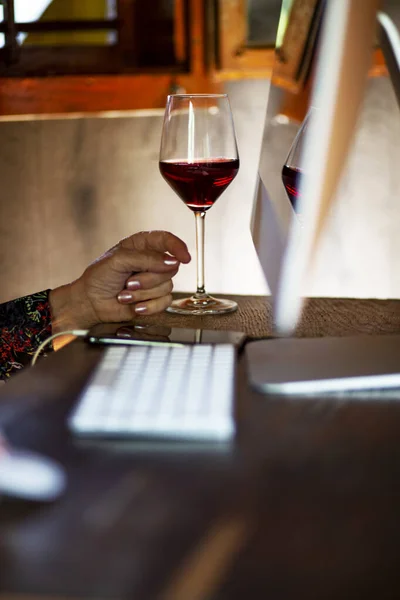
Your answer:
<point x="25" y="323"/>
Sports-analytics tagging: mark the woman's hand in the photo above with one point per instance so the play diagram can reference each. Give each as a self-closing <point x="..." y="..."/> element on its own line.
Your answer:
<point x="133" y="277"/>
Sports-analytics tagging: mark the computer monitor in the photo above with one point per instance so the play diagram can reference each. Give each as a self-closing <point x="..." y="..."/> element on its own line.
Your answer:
<point x="389" y="39"/>
<point x="286" y="247"/>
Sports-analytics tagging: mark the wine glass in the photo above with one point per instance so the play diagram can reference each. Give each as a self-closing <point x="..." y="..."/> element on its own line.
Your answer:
<point x="199" y="159"/>
<point x="291" y="172"/>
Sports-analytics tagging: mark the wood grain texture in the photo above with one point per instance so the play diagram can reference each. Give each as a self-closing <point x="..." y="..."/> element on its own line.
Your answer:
<point x="321" y="317"/>
<point x="202" y="572"/>
<point x="90" y="94"/>
<point x="315" y="477"/>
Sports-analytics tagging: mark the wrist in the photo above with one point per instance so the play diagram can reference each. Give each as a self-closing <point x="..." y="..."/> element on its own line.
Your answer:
<point x="68" y="308"/>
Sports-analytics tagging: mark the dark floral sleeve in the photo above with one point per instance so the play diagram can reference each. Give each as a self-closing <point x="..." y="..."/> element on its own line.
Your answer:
<point x="24" y="324"/>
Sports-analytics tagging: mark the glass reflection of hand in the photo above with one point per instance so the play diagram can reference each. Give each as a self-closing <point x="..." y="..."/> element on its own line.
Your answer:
<point x="155" y="333"/>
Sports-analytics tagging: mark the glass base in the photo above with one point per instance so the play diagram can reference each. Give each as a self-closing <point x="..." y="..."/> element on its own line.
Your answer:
<point x="202" y="304"/>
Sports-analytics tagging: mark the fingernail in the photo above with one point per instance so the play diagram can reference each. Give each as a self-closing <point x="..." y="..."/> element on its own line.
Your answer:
<point x="140" y="309"/>
<point x="133" y="285"/>
<point x="170" y="262"/>
<point x="125" y="296"/>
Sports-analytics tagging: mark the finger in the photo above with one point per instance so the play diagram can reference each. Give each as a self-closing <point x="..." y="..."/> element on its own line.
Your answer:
<point x="131" y="297"/>
<point x="148" y="280"/>
<point x="160" y="241"/>
<point x="153" y="306"/>
<point x="126" y="261"/>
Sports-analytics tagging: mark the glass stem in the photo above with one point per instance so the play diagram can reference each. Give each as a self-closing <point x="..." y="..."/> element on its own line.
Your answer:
<point x="200" y="252"/>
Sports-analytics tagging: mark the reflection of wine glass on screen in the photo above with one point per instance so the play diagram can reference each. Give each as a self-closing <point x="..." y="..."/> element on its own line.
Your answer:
<point x="291" y="172"/>
<point x="199" y="159"/>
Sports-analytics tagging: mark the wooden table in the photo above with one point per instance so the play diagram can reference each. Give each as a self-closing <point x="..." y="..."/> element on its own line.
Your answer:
<point x="306" y="505"/>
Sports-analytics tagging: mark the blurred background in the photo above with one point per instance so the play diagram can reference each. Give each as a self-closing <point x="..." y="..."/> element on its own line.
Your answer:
<point x="83" y="85"/>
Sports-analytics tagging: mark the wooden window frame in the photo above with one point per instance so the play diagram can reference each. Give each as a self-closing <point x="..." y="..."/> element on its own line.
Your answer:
<point x="288" y="66"/>
<point x="215" y="51"/>
<point x="236" y="60"/>
<point x="76" y="95"/>
<point x="84" y="59"/>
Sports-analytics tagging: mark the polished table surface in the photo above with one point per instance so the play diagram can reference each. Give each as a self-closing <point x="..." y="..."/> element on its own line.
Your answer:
<point x="306" y="504"/>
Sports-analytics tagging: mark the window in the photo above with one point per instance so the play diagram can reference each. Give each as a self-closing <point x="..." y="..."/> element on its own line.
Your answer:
<point x="246" y="33"/>
<point x="73" y="56"/>
<point x="60" y="37"/>
<point x="147" y="50"/>
<point x="262" y="20"/>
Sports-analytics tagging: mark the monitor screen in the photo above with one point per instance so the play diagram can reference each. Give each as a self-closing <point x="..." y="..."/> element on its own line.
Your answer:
<point x="285" y="243"/>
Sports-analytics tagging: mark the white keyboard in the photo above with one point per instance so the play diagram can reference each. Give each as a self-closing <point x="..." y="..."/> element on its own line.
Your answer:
<point x="182" y="393"/>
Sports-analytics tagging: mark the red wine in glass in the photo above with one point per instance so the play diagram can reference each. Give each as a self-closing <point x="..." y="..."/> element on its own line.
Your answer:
<point x="291" y="172"/>
<point x="199" y="159"/>
<point x="200" y="183"/>
<point x="291" y="180"/>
